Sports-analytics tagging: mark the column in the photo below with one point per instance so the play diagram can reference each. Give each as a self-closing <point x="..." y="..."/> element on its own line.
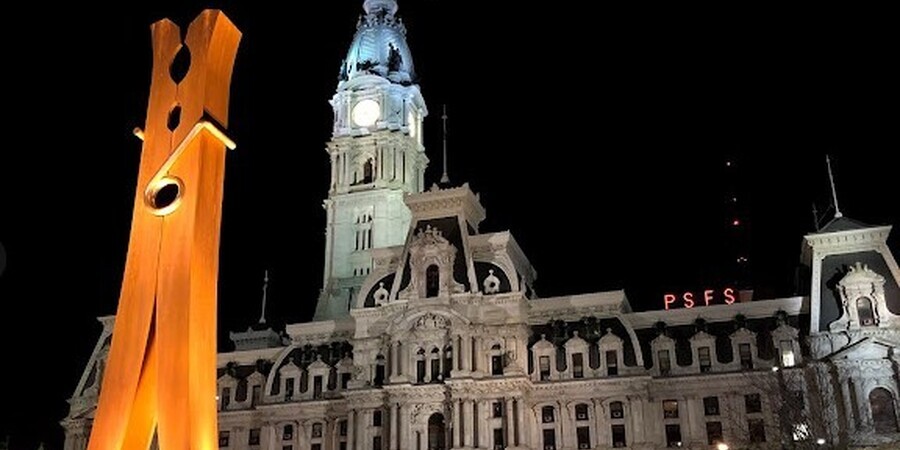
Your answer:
<point x="509" y="418"/>
<point x="457" y="429"/>
<point x="351" y="424"/>
<point x="520" y="422"/>
<point x="465" y="350"/>
<point x="362" y="427"/>
<point x="476" y="363"/>
<point x="394" y="424"/>
<point x="483" y="415"/>
<point x="469" y="422"/>
<point x="423" y="439"/>
<point x="849" y="406"/>
<point x="565" y="430"/>
<point x="602" y="424"/>
<point x="395" y="366"/>
<point x="330" y="433"/>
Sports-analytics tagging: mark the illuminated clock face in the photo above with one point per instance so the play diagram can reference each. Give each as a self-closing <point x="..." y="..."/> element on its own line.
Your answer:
<point x="365" y="113"/>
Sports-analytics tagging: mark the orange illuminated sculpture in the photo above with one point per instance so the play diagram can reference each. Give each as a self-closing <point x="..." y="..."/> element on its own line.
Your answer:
<point x="161" y="371"/>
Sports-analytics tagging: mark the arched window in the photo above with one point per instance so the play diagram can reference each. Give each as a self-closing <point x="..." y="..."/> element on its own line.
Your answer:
<point x="866" y="313"/>
<point x="435" y="365"/>
<point x="884" y="415"/>
<point x="368" y="171"/>
<point x="432" y="281"/>
<point x="448" y="361"/>
<point x="420" y="366"/>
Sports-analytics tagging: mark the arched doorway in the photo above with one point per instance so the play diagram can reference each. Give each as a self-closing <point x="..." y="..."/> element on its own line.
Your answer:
<point x="884" y="416"/>
<point x="437" y="432"/>
<point x="432" y="281"/>
<point x="865" y="311"/>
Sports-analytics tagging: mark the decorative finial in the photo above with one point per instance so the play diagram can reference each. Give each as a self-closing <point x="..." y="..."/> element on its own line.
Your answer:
<point x="837" y="208"/>
<point x="262" y="317"/>
<point x="445" y="178"/>
<point x="373" y="6"/>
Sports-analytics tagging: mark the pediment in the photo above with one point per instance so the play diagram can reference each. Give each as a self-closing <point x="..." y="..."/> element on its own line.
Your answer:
<point x="866" y="348"/>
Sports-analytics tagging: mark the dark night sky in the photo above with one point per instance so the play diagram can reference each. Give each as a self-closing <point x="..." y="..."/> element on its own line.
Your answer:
<point x="598" y="136"/>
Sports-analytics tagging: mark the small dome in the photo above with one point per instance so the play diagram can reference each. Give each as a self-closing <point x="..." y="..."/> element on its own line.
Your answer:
<point x="379" y="46"/>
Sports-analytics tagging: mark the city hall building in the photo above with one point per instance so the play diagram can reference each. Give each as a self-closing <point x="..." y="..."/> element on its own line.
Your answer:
<point x="428" y="334"/>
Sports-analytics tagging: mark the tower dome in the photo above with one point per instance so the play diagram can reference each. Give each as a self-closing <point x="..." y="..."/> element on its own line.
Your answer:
<point x="379" y="46"/>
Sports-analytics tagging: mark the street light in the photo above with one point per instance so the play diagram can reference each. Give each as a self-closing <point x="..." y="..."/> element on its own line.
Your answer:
<point x="820" y="441"/>
<point x="722" y="446"/>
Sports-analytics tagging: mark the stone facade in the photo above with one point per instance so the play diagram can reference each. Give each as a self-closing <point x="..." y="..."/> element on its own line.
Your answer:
<point x="429" y="335"/>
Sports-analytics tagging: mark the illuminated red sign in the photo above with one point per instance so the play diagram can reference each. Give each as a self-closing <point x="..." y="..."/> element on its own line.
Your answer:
<point x="708" y="297"/>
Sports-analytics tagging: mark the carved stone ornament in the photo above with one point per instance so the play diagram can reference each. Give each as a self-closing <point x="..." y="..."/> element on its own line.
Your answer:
<point x="432" y="322"/>
<point x="381" y="295"/>
<point x="491" y="283"/>
<point x="430" y="248"/>
<point x="862" y="300"/>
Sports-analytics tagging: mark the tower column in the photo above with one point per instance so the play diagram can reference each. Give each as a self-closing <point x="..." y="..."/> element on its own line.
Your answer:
<point x="469" y="420"/>
<point x="510" y="423"/>
<point x="520" y="422"/>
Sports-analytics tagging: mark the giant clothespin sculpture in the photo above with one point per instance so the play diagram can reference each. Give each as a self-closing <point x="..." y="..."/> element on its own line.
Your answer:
<point x="161" y="371"/>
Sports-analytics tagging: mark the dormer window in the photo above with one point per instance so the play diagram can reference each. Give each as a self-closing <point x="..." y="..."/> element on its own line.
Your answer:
<point x="866" y="312"/>
<point x="746" y="356"/>
<point x="705" y="360"/>
<point x="612" y="362"/>
<point x="544" y="364"/>
<point x="787" y="353"/>
<point x="578" y="365"/>
<point x="665" y="362"/>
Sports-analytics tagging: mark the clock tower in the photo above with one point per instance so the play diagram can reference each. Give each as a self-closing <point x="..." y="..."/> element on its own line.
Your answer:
<point x="376" y="154"/>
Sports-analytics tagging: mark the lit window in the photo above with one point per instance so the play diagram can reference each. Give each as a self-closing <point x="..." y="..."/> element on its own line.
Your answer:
<point x="705" y="360"/>
<point x="665" y="364"/>
<point x="670" y="409"/>
<point x="577" y="365"/>
<point x="787" y="353"/>
<point x="800" y="432"/>
<point x="612" y="363"/>
<point x="545" y="368"/>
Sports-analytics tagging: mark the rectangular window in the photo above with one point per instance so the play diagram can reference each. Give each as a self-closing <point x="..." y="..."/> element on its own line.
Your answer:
<point x="224" y="438"/>
<point x="581" y="412"/>
<point x="342" y="446"/>
<point x="618" y="436"/>
<point x="711" y="406"/>
<point x="549" y="439"/>
<point x="376" y="443"/>
<point x="545" y="367"/>
<point x="498" y="439"/>
<point x="496" y="365"/>
<point x="746" y="356"/>
<point x="612" y="363"/>
<point x="757" y="430"/>
<point x="287" y="447"/>
<point x="226" y="398"/>
<point x="670" y="409"/>
<point x="316" y="447"/>
<point x="583" y="434"/>
<point x="578" y="365"/>
<point x="435" y="369"/>
<point x="379" y="375"/>
<point x="376" y="418"/>
<point x="713" y="432"/>
<point x="673" y="435"/>
<point x="616" y="410"/>
<point x="288" y="389"/>
<point x="665" y="364"/>
<point x="317" y="430"/>
<point x="342" y="428"/>
<point x="253" y="438"/>
<point x="256" y="396"/>
<point x="497" y="409"/>
<point x="787" y="354"/>
<point x="705" y="360"/>
<point x="547" y="415"/>
<point x="753" y="403"/>
<point x="287" y="433"/>
<point x="317" y="387"/>
<point x="345" y="380"/>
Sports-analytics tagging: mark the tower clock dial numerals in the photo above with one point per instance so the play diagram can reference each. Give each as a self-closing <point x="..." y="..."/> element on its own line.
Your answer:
<point x="365" y="113"/>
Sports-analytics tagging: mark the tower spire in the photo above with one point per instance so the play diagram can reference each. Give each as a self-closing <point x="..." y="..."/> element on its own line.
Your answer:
<point x="834" y="197"/>
<point x="445" y="178"/>
<point x="265" y="289"/>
